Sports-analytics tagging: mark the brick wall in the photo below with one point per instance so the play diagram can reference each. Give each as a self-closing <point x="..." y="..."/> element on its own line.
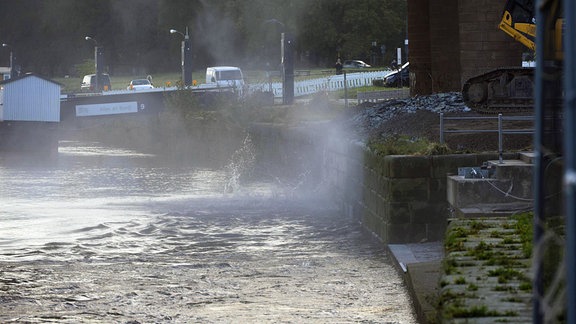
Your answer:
<point x="453" y="40"/>
<point x="483" y="45"/>
<point x="419" y="47"/>
<point x="445" y="45"/>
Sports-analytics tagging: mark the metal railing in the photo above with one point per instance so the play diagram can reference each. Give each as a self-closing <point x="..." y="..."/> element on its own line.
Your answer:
<point x="500" y="130"/>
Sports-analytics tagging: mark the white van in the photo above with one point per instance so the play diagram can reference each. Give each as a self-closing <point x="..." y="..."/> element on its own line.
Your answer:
<point x="225" y="76"/>
<point x="89" y="82"/>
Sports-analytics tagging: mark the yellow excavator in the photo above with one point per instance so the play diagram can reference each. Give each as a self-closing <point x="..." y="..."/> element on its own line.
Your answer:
<point x="511" y="88"/>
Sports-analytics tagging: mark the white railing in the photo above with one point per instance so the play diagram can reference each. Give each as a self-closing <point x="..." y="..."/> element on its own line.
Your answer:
<point x="329" y="83"/>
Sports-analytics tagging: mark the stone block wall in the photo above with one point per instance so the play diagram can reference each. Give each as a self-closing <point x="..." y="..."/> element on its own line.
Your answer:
<point x="404" y="197"/>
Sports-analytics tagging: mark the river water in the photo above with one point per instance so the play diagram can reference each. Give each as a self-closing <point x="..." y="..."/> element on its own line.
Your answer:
<point x="111" y="235"/>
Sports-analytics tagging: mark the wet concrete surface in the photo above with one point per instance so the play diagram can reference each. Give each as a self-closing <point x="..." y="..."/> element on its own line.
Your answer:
<point x="421" y="267"/>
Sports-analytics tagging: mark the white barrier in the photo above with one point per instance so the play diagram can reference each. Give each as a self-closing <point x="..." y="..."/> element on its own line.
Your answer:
<point x="330" y="83"/>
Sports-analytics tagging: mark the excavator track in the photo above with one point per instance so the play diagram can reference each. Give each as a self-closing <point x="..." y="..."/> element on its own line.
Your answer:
<point x="502" y="90"/>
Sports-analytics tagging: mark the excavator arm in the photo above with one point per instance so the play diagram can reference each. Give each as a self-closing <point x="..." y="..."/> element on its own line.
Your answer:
<point x="519" y="22"/>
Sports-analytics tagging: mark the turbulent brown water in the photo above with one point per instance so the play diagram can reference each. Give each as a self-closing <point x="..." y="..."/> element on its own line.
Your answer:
<point x="109" y="235"/>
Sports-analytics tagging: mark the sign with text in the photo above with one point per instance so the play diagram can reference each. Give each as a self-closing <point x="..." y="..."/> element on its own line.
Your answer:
<point x="112" y="108"/>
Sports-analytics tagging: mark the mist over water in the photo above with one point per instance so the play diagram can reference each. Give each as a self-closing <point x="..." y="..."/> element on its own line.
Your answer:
<point x="99" y="193"/>
<point x="164" y="242"/>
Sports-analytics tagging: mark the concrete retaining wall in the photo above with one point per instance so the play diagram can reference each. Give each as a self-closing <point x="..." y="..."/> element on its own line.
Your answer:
<point x="404" y="197"/>
<point x="401" y="199"/>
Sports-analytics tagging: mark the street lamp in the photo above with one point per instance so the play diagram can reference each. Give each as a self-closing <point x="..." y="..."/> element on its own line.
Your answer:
<point x="186" y="58"/>
<point x="12" y="69"/>
<point x="287" y="53"/>
<point x="98" y="61"/>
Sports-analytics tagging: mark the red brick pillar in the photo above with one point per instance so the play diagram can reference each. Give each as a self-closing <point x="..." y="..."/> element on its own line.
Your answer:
<point x="445" y="45"/>
<point x="419" y="47"/>
<point x="453" y="40"/>
<point x="483" y="45"/>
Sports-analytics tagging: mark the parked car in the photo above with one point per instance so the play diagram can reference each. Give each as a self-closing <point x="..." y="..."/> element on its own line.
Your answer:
<point x="225" y="76"/>
<point x="89" y="83"/>
<point x="355" y="64"/>
<point x="399" y="77"/>
<point x="140" y="84"/>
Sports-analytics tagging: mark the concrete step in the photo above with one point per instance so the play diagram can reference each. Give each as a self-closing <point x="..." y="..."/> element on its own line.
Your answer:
<point x="498" y="188"/>
<point x="462" y="192"/>
<point x="527" y="157"/>
<point x="492" y="210"/>
<point x="511" y="169"/>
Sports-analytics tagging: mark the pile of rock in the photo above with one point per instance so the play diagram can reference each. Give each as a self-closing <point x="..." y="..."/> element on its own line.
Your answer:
<point x="370" y="116"/>
<point x="439" y="103"/>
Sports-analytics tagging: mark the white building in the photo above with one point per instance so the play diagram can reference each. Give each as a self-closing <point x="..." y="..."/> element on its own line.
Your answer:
<point x="30" y="98"/>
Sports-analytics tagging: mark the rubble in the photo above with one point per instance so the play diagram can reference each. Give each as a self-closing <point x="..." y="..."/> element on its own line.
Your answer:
<point x="369" y="117"/>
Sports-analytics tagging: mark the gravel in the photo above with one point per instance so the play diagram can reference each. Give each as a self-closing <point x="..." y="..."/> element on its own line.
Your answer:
<point x="370" y="117"/>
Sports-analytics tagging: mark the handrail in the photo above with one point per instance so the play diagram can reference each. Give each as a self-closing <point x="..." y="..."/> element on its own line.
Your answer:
<point x="500" y="130"/>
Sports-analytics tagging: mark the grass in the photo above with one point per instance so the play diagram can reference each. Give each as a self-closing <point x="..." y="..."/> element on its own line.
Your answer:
<point x="511" y="273"/>
<point x="353" y="92"/>
<point x="525" y="229"/>
<point x="506" y="274"/>
<point x="406" y="145"/>
<point x="455" y="239"/>
<point x="478" y="311"/>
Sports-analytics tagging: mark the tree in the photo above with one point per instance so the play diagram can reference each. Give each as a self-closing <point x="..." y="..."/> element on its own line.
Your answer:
<point x="348" y="28"/>
<point x="48" y="36"/>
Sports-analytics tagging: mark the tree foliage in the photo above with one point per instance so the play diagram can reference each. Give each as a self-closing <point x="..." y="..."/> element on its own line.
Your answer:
<point x="48" y="37"/>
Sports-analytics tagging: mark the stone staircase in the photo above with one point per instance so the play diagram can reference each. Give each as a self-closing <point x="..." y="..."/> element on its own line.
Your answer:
<point x="495" y="189"/>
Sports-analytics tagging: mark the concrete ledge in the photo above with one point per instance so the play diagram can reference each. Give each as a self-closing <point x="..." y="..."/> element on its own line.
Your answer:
<point x="420" y="266"/>
<point x="493" y="210"/>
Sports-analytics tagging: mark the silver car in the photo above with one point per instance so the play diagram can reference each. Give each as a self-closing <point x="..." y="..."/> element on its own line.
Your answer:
<point x="140" y="84"/>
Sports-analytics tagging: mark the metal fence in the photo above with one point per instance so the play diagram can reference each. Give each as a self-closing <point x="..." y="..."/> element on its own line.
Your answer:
<point x="501" y="130"/>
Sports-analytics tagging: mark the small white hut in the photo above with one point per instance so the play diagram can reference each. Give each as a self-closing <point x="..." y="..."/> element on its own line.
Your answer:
<point x="30" y="98"/>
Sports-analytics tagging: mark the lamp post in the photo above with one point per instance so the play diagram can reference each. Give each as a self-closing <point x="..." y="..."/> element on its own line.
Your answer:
<point x="12" y="69"/>
<point x="186" y="57"/>
<point x="287" y="53"/>
<point x="98" y="61"/>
